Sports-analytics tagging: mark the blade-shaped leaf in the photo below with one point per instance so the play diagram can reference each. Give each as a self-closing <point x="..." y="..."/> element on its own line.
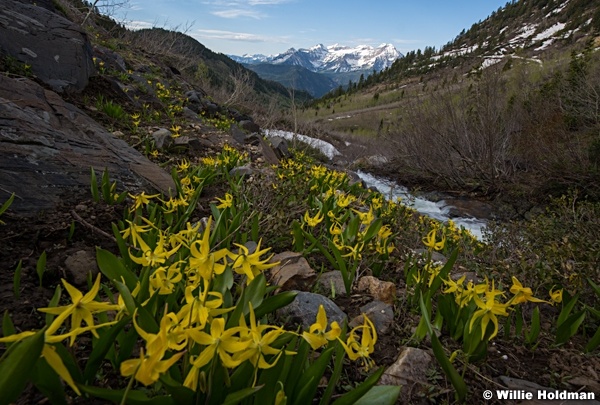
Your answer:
<point x="16" y="367"/>
<point x="438" y="351"/>
<point x="351" y="397"/>
<point x="380" y="395"/>
<point x="237" y="397"/>
<point x="114" y="269"/>
<point x="102" y="346"/>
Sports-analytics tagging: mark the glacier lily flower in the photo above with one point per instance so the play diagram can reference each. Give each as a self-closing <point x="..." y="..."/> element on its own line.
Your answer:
<point x="81" y="309"/>
<point x="316" y="335"/>
<point x="521" y="294"/>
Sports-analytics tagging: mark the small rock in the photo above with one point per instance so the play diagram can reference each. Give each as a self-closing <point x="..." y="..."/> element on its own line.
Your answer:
<point x="469" y="276"/>
<point x="79" y="265"/>
<point x="81" y="207"/>
<point x="410" y="368"/>
<point x="332" y="283"/>
<point x="305" y="306"/>
<point x="435" y="256"/>
<point x="588" y="383"/>
<point x="118" y="134"/>
<point x="241" y="171"/>
<point x="162" y="138"/>
<point x="384" y="291"/>
<point x="293" y="272"/>
<point x="380" y="313"/>
<point x="249" y="126"/>
<point x="280" y="147"/>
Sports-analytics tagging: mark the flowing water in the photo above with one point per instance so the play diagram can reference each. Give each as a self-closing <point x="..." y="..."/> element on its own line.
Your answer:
<point x="437" y="210"/>
<point x="440" y="210"/>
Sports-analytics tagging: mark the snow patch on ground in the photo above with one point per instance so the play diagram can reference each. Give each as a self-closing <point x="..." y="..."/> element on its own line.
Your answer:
<point x="325" y="147"/>
<point x="490" y="60"/>
<point x="526" y="32"/>
<point x="549" y="32"/>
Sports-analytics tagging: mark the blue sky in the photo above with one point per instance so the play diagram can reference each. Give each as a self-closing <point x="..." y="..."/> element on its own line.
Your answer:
<point x="273" y="26"/>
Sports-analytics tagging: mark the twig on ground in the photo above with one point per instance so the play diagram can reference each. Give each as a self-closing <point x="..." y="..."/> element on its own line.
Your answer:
<point x="92" y="227"/>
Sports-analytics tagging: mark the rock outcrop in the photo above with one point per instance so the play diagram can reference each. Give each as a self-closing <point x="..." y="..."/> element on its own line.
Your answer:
<point x="57" y="50"/>
<point x="47" y="147"/>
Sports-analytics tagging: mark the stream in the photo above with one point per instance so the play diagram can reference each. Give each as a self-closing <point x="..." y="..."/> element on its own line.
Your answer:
<point x="441" y="210"/>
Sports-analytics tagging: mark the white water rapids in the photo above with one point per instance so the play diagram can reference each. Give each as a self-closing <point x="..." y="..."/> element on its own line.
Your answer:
<point x="389" y="189"/>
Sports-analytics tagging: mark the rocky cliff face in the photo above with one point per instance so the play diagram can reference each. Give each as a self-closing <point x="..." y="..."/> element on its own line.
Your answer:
<point x="47" y="145"/>
<point x="57" y="50"/>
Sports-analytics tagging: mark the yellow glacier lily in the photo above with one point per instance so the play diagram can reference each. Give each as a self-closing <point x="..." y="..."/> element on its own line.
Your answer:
<point x="82" y="309"/>
<point x="521" y="294"/>
<point x="316" y="335"/>
<point x="488" y="309"/>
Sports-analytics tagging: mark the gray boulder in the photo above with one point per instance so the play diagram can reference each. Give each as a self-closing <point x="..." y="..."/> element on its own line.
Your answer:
<point x="47" y="147"/>
<point x="305" y="307"/>
<point x="57" y="50"/>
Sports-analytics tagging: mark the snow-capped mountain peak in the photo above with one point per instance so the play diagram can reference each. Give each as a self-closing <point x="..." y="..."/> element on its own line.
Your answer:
<point x="333" y="58"/>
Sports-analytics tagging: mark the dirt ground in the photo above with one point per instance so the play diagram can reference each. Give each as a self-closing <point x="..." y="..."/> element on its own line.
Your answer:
<point x="24" y="239"/>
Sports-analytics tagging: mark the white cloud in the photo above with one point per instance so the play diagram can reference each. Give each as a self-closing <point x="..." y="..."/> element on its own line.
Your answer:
<point x="238" y="12"/>
<point x="138" y="25"/>
<point x="235" y="36"/>
<point x="241" y="8"/>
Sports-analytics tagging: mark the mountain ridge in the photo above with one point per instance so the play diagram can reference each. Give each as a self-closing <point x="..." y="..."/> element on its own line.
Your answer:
<point x="334" y="58"/>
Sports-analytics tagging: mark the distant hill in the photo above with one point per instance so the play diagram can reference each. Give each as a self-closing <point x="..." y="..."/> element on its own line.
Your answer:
<point x="295" y="77"/>
<point x="331" y="66"/>
<point x="217" y="69"/>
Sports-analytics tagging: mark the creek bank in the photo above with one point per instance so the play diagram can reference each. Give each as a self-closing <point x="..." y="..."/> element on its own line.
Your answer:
<point x="468" y="213"/>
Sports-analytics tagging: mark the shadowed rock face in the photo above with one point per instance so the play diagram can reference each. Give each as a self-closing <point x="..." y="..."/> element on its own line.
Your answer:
<point x="47" y="147"/>
<point x="57" y="50"/>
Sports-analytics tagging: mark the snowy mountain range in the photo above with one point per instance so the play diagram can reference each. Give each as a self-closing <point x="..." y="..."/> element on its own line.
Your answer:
<point x="330" y="59"/>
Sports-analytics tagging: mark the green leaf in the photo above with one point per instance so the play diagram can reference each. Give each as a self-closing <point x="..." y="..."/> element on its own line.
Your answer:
<point x="239" y="396"/>
<point x="594" y="342"/>
<point x="298" y="367"/>
<point x="443" y="274"/>
<point x="352" y="396"/>
<point x="8" y="328"/>
<point x="310" y="379"/>
<point x="181" y="394"/>
<point x="438" y="350"/>
<point x="373" y="229"/>
<point x="40" y="266"/>
<point x="298" y="236"/>
<point x="534" y="330"/>
<point x="53" y="303"/>
<point x="254" y="293"/>
<point x="518" y="321"/>
<point x="126" y="296"/>
<point x="566" y="311"/>
<point x="272" y="304"/>
<point x="16" y="367"/>
<point x="94" y="186"/>
<point x="340" y="353"/>
<point x="380" y="395"/>
<point x="134" y="397"/>
<point x="122" y="246"/>
<point x="595" y="287"/>
<point x="114" y="269"/>
<point x="48" y="382"/>
<point x="102" y="346"/>
<point x="106" y="187"/>
<point x="17" y="280"/>
<point x="569" y="327"/>
<point x="7" y="203"/>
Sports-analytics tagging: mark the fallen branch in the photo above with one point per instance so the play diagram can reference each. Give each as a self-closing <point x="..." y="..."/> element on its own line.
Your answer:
<point x="92" y="227"/>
